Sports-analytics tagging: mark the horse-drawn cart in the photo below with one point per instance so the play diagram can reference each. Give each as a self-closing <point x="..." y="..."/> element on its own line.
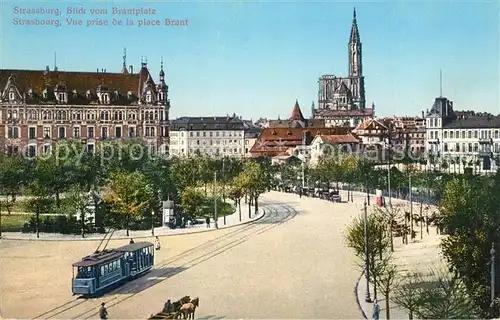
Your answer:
<point x="184" y="307"/>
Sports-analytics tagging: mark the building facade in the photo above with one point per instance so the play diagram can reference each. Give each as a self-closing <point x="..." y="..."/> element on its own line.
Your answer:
<point x="39" y="108"/>
<point x="341" y="100"/>
<point x="213" y="136"/>
<point x="457" y="140"/>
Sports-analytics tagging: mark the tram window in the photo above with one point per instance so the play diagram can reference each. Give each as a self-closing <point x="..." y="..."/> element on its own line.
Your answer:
<point x="102" y="270"/>
<point x="106" y="269"/>
<point x="118" y="263"/>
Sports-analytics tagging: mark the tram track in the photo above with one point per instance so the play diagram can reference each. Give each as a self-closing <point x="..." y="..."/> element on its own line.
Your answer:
<point x="275" y="215"/>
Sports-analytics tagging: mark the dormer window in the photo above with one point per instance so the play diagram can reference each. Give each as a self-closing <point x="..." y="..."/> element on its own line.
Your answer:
<point x="129" y="95"/>
<point x="148" y="96"/>
<point x="160" y="96"/>
<point x="12" y="96"/>
<point x="104" y="98"/>
<point x="62" y="97"/>
<point x="30" y="92"/>
<point x="88" y="94"/>
<point x="75" y="94"/>
<point x="44" y="94"/>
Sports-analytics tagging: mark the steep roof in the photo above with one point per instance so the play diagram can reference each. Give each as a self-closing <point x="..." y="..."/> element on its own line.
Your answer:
<point x="38" y="80"/>
<point x="297" y="113"/>
<point x="207" y="123"/>
<point x="338" y="138"/>
<point x="274" y="141"/>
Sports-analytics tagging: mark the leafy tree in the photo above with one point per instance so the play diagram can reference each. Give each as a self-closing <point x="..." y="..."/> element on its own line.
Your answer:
<point x="236" y="193"/>
<point x="129" y="196"/>
<point x="254" y="181"/>
<point x="78" y="200"/>
<point x="191" y="200"/>
<point x="469" y="214"/>
<point x="387" y="273"/>
<point x="14" y="174"/>
<point x="390" y="214"/>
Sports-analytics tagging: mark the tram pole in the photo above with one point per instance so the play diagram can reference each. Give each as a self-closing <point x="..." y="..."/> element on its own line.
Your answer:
<point x="0" y="219"/>
<point x="37" y="220"/>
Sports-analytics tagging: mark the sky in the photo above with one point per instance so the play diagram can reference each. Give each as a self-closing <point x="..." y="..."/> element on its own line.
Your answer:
<point x="256" y="58"/>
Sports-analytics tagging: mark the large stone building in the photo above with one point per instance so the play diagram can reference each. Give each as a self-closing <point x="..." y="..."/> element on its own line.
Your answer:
<point x="213" y="136"/>
<point x="341" y="100"/>
<point x="38" y="108"/>
<point x="462" y="139"/>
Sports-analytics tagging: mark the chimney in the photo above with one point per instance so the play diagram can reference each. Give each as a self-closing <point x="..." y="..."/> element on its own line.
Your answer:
<point x="104" y="70"/>
<point x="422" y="114"/>
<point x="131" y="69"/>
<point x="47" y="68"/>
<point x="97" y="70"/>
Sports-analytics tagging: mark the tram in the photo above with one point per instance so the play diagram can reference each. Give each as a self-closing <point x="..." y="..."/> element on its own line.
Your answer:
<point x="95" y="273"/>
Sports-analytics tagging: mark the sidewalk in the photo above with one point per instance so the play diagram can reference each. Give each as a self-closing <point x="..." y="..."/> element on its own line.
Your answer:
<point x="419" y="256"/>
<point x="231" y="221"/>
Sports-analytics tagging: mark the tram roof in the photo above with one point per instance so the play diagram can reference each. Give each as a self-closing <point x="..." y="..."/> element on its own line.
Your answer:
<point x="98" y="258"/>
<point x="134" y="246"/>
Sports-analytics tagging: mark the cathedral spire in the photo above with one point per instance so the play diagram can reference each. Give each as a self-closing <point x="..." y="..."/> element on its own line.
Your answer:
<point x="124" y="67"/>
<point x="354" y="30"/>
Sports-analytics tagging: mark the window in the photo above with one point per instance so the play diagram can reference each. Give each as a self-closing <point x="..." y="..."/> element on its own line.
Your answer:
<point x="104" y="98"/>
<point x="496" y="134"/>
<point x="463" y="134"/>
<point x="496" y="148"/>
<point x="62" y="97"/>
<point x="446" y="147"/>
<point x="76" y="132"/>
<point x="90" y="132"/>
<point x="104" y="133"/>
<point x="131" y="132"/>
<point x="47" y="132"/>
<point x="451" y="134"/>
<point x="148" y="96"/>
<point x="469" y="134"/>
<point x="12" y="96"/>
<point x="470" y="147"/>
<point x="476" y="147"/>
<point x="46" y="148"/>
<point x="445" y="134"/>
<point x="475" y="134"/>
<point x="118" y="132"/>
<point x="31" y="151"/>
<point x="31" y="133"/>
<point x="457" y="147"/>
<point x="13" y="132"/>
<point x="62" y="132"/>
<point x="90" y="148"/>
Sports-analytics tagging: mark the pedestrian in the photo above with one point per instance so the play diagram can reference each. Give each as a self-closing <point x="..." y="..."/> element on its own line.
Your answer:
<point x="207" y="220"/>
<point x="376" y="310"/>
<point x="300" y="192"/>
<point x="103" y="313"/>
<point x="131" y="241"/>
<point x="157" y="244"/>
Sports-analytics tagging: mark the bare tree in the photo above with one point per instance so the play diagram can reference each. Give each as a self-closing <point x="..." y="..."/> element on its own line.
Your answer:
<point x="390" y="214"/>
<point x="408" y="293"/>
<point x="386" y="276"/>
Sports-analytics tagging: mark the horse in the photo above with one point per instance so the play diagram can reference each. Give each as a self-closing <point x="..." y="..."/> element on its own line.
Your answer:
<point x="176" y="306"/>
<point x="188" y="309"/>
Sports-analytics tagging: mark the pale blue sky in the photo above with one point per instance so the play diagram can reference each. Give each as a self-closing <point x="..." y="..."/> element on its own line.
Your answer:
<point x="256" y="58"/>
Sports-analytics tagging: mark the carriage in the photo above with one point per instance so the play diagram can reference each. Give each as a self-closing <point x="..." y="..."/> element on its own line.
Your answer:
<point x="184" y="307"/>
<point x="100" y="271"/>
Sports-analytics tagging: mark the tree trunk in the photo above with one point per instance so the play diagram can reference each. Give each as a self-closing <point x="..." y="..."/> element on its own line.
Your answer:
<point x="374" y="275"/>
<point x="82" y="216"/>
<point x="256" y="205"/>
<point x="239" y="208"/>
<point x="58" y="200"/>
<point x="249" y="210"/>
<point x="37" y="223"/>
<point x="387" y="305"/>
<point x="410" y="315"/>
<point x="391" y="236"/>
<point x="367" y="195"/>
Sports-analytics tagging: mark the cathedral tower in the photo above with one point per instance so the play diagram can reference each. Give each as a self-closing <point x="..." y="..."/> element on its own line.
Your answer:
<point x="355" y="58"/>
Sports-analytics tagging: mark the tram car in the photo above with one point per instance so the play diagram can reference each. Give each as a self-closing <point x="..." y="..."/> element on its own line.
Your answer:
<point x="98" y="272"/>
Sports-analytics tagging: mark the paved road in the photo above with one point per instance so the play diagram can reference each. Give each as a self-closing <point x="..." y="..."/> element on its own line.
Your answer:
<point x="293" y="263"/>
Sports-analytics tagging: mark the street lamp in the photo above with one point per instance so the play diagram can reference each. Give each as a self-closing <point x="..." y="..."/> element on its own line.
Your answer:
<point x="216" y="217"/>
<point x="367" y="261"/>
<point x="492" y="302"/>
<point x="153" y="222"/>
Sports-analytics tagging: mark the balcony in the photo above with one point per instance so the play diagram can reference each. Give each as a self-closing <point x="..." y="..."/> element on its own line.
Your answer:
<point x="485" y="141"/>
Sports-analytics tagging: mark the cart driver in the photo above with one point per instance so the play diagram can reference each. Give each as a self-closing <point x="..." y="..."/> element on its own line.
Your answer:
<point x="167" y="308"/>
